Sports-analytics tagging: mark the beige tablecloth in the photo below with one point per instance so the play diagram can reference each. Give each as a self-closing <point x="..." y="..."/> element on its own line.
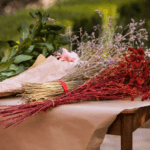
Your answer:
<point x="79" y="126"/>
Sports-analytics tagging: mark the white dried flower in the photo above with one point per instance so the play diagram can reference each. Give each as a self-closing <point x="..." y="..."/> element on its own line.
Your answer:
<point x="111" y="43"/>
<point x="131" y="25"/>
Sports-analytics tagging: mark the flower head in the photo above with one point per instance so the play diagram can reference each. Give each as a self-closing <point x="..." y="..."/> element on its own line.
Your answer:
<point x="140" y="51"/>
<point x="67" y="56"/>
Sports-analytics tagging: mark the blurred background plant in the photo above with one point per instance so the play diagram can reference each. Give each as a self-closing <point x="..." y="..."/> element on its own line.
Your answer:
<point x="74" y="14"/>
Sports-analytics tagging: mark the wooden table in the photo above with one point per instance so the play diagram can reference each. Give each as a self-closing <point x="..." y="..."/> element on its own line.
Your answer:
<point x="127" y="122"/>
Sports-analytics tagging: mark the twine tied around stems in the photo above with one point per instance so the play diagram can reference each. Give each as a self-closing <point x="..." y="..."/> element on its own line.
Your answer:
<point x="64" y="85"/>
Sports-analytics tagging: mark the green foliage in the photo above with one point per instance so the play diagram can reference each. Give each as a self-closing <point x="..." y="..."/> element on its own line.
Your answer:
<point x="39" y="38"/>
<point x="24" y="45"/>
<point x="21" y="58"/>
<point x="63" y="12"/>
<point x="5" y="65"/>
<point x="5" y="51"/>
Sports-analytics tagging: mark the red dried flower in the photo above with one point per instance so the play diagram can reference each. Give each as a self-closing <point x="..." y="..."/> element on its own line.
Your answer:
<point x="140" y="51"/>
<point x="132" y="98"/>
<point x="148" y="62"/>
<point x="130" y="48"/>
<point x="127" y="59"/>
<point x="128" y="70"/>
<point x="138" y="80"/>
<point x="145" y="74"/>
<point x="133" y="50"/>
<point x="144" y="97"/>
<point x="140" y="57"/>
<point x="137" y="65"/>
<point x="122" y="65"/>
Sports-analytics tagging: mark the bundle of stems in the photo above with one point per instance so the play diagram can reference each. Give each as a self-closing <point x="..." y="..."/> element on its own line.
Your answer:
<point x="129" y="78"/>
<point x="49" y="90"/>
<point x="82" y="72"/>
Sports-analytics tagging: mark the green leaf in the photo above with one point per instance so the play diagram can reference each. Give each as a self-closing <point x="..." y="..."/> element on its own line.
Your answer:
<point x="63" y="40"/>
<point x="33" y="15"/>
<point x="26" y="64"/>
<point x="3" y="46"/>
<point x="13" y="67"/>
<point x="31" y="26"/>
<point x="2" y="78"/>
<point x="39" y="36"/>
<point x="5" y="51"/>
<point x="48" y="45"/>
<point x="8" y="74"/>
<point x="21" y="69"/>
<point x="5" y="65"/>
<point x="37" y="28"/>
<point x="39" y="15"/>
<point x="44" y="18"/>
<point x="21" y="58"/>
<point x="30" y="54"/>
<point x="44" y="51"/>
<point x="46" y="33"/>
<point x="12" y="43"/>
<point x="24" y="45"/>
<point x="60" y="50"/>
<point x="24" y="29"/>
<point x="30" y="49"/>
<point x="54" y="45"/>
<point x="52" y="27"/>
<point x="37" y="41"/>
<point x="36" y="53"/>
<point x="18" y="69"/>
<point x="37" y="50"/>
<point x="13" y="53"/>
<point x="20" y="41"/>
<point x="50" y="38"/>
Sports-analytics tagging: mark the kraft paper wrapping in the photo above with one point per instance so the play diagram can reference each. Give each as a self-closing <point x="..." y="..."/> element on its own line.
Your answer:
<point x="78" y="126"/>
<point x="43" y="70"/>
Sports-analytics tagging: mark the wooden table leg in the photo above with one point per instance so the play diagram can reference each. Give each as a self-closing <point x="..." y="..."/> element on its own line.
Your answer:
<point x="126" y="131"/>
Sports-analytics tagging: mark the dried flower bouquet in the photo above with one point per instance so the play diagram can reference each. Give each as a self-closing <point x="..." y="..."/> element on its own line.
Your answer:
<point x="130" y="77"/>
<point x="127" y="77"/>
<point x="95" y="55"/>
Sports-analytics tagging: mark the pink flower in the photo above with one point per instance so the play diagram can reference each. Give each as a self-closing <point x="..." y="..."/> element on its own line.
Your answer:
<point x="67" y="56"/>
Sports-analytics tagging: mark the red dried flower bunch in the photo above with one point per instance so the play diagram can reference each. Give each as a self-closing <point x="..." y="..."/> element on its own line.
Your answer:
<point x="127" y="79"/>
<point x="137" y="73"/>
